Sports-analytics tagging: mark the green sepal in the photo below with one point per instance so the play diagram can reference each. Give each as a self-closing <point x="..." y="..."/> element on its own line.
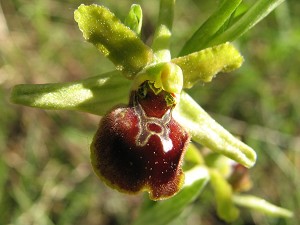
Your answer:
<point x="204" y="65"/>
<point x="93" y="95"/>
<point x="261" y="205"/>
<point x="224" y="197"/>
<point x="163" y="212"/>
<point x="134" y="19"/>
<point x="115" y="40"/>
<point x="209" y="133"/>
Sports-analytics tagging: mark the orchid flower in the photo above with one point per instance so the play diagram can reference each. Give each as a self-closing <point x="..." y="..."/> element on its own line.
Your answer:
<point x="149" y="123"/>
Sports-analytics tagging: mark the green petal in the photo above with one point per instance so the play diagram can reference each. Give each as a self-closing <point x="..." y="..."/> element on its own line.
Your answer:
<point x="94" y="95"/>
<point x="115" y="40"/>
<point x="204" y="65"/>
<point x="209" y="133"/>
<point x="164" y="212"/>
<point x="261" y="205"/>
<point x="134" y="19"/>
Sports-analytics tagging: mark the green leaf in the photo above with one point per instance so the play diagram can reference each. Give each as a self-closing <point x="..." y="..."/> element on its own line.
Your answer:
<point x="115" y="40"/>
<point x="206" y="31"/>
<point x="94" y="95"/>
<point x="209" y="133"/>
<point x="261" y="205"/>
<point x="134" y="19"/>
<point x="256" y="13"/>
<point x="204" y="65"/>
<point x="224" y="198"/>
<point x="163" y="212"/>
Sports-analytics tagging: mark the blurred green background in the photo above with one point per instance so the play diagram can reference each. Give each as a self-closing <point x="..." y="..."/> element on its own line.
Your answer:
<point x="45" y="175"/>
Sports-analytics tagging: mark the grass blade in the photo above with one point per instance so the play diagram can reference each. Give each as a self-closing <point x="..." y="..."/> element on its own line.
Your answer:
<point x="200" y="38"/>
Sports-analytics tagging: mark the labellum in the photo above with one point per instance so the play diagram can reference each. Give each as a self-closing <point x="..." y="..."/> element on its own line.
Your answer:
<point x="140" y="147"/>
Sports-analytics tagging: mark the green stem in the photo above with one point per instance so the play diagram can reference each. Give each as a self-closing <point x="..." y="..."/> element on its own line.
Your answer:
<point x="166" y="13"/>
<point x="162" y="36"/>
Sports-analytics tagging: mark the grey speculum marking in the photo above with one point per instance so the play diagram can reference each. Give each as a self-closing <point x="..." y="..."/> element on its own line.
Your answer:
<point x="145" y="132"/>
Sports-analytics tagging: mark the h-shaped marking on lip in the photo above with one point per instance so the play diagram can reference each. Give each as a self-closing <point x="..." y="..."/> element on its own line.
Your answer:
<point x="145" y="133"/>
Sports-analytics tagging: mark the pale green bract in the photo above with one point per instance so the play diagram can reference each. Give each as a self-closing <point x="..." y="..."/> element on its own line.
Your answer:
<point x="206" y="131"/>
